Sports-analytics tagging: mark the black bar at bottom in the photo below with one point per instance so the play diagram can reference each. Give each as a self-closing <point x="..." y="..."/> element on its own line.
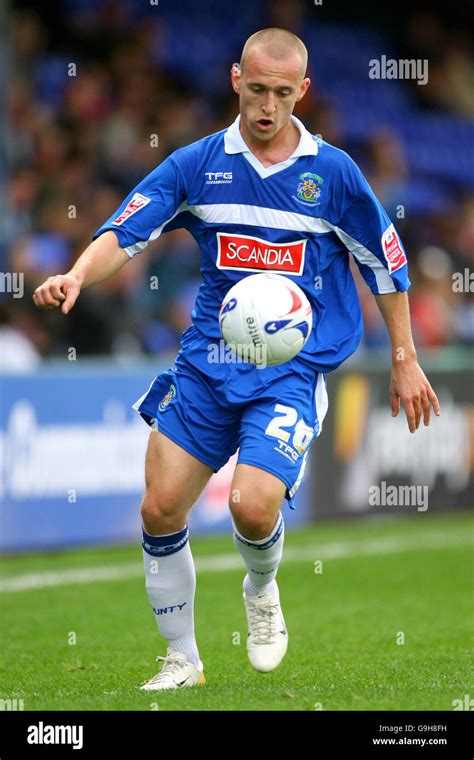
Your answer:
<point x="420" y="734"/>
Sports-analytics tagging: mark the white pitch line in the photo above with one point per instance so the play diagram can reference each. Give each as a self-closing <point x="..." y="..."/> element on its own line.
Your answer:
<point x="224" y="562"/>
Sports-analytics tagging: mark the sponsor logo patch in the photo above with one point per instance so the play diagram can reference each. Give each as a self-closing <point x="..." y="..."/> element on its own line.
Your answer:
<point x="218" y="178"/>
<point x="167" y="398"/>
<point x="165" y="610"/>
<point x="137" y="202"/>
<point x="253" y="254"/>
<point x="393" y="250"/>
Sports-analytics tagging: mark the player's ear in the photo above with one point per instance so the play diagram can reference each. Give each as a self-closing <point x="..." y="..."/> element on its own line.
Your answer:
<point x="235" y="73"/>
<point x="303" y="88"/>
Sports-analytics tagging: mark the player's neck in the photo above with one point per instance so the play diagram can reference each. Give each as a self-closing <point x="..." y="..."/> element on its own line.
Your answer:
<point x="278" y="149"/>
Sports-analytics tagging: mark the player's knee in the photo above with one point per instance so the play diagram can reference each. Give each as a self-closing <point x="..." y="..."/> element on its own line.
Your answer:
<point x="161" y="509"/>
<point x="255" y="515"/>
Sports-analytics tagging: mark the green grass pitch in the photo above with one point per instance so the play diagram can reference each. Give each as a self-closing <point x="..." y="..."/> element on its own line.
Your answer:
<point x="386" y="625"/>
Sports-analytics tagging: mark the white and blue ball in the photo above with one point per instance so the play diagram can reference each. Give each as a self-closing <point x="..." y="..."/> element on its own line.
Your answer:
<point x="266" y="319"/>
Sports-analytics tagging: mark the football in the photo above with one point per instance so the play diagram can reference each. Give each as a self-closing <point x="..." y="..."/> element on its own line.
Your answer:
<point x="265" y="319"/>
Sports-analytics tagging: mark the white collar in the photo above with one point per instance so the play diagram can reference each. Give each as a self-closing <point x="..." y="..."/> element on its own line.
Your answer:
<point x="235" y="143"/>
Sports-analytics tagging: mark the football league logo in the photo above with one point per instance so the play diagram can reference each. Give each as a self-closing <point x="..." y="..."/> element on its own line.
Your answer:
<point x="309" y="187"/>
<point x="392" y="249"/>
<point x="137" y="202"/>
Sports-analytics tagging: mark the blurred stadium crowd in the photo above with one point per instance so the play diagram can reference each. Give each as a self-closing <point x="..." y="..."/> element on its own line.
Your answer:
<point x="96" y="100"/>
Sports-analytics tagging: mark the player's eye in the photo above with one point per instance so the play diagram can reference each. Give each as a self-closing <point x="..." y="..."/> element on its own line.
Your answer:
<point x="284" y="93"/>
<point x="256" y="88"/>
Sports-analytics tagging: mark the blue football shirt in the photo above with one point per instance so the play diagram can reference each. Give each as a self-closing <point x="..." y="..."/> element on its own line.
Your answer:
<point x="302" y="218"/>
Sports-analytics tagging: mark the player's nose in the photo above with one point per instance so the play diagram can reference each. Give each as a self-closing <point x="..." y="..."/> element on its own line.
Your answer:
<point x="268" y="106"/>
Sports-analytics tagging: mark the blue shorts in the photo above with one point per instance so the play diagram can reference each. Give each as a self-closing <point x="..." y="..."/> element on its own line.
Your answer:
<point x="211" y="406"/>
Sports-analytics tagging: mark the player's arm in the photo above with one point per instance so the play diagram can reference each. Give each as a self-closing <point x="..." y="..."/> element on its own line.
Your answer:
<point x="368" y="233"/>
<point x="101" y="259"/>
<point x="408" y="384"/>
<point x="148" y="209"/>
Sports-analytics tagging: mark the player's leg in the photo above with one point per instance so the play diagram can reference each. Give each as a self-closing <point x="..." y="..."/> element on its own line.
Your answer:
<point x="194" y="437"/>
<point x="256" y="498"/>
<point x="174" y="479"/>
<point x="275" y="435"/>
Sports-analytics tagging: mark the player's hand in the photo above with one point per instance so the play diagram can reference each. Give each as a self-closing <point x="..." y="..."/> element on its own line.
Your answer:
<point x="61" y="289"/>
<point x="409" y="385"/>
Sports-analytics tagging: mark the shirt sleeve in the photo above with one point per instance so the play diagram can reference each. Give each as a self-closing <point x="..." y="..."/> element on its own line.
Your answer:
<point x="368" y="233"/>
<point x="150" y="206"/>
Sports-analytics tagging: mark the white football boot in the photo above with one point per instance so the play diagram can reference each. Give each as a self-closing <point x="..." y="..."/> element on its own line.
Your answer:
<point x="176" y="673"/>
<point x="267" y="639"/>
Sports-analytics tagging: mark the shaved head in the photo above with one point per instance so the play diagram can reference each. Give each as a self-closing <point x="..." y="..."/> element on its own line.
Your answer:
<point x="278" y="44"/>
<point x="270" y="80"/>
